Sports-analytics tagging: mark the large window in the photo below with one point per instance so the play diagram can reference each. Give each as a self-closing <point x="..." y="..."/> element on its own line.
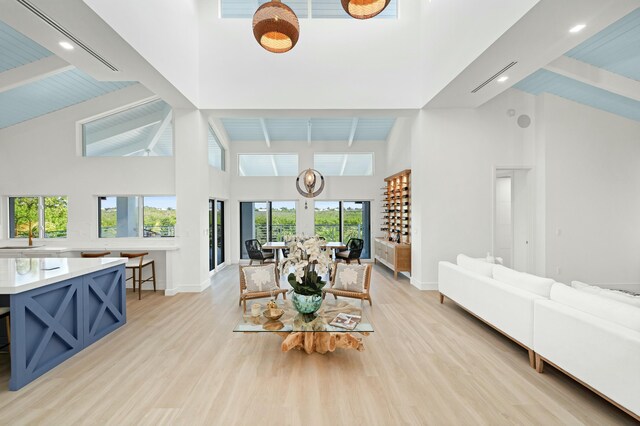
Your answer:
<point x="344" y="164"/>
<point x="120" y="217"/>
<point x="266" y="221"/>
<point x="144" y="130"/>
<point x="314" y="9"/>
<point x="268" y="164"/>
<point x="216" y="151"/>
<point x="46" y="216"/>
<point x="343" y="220"/>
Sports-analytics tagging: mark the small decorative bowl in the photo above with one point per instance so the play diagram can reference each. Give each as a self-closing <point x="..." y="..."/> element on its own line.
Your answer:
<point x="279" y="313"/>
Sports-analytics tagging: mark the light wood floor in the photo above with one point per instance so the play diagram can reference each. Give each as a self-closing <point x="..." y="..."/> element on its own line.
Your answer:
<point x="177" y="362"/>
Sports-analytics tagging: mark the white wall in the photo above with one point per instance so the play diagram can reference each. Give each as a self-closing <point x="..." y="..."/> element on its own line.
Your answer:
<point x="284" y="189"/>
<point x="164" y="32"/>
<point x="592" y="200"/>
<point x="453" y="33"/>
<point x="398" y="152"/>
<point x="43" y="157"/>
<point x="455" y="153"/>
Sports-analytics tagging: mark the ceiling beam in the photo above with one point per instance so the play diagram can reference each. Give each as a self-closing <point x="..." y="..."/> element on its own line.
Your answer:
<point x="344" y="164"/>
<point x="309" y="132"/>
<point x="32" y="72"/>
<point x="354" y="127"/>
<point x="267" y="138"/>
<point x="153" y="140"/>
<point x="596" y="77"/>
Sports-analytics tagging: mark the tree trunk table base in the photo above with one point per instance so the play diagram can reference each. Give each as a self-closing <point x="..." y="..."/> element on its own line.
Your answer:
<point x="320" y="342"/>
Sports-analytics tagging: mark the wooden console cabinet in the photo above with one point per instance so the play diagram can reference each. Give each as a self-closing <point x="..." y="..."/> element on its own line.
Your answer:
<point x="395" y="256"/>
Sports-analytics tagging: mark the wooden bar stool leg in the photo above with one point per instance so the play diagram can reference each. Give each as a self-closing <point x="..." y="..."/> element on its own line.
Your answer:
<point x="140" y="284"/>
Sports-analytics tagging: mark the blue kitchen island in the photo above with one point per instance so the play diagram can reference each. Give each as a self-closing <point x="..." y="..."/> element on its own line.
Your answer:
<point x="58" y="307"/>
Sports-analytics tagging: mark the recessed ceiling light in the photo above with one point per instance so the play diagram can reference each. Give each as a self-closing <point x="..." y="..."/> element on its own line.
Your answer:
<point x="502" y="79"/>
<point x="66" y="45"/>
<point x="577" y="28"/>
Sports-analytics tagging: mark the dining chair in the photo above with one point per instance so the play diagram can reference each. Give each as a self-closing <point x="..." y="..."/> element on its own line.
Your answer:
<point x="254" y="249"/>
<point x="136" y="264"/>
<point x="353" y="251"/>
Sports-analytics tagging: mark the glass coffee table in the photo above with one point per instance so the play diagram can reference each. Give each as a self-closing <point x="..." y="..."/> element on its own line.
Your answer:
<point x="310" y="333"/>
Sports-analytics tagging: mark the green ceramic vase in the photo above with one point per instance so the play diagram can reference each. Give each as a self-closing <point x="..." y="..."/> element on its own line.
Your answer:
<point x="306" y="304"/>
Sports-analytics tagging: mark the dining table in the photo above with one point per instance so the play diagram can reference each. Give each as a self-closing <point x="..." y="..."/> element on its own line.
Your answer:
<point x="276" y="246"/>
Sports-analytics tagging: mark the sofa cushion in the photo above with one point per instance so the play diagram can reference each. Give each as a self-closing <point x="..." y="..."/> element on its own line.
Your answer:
<point x="607" y="309"/>
<point x="475" y="265"/>
<point x="531" y="283"/>
<point x="621" y="296"/>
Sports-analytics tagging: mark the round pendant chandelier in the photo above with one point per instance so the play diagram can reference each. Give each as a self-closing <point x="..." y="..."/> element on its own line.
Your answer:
<point x="276" y="27"/>
<point x="309" y="179"/>
<point x="364" y="9"/>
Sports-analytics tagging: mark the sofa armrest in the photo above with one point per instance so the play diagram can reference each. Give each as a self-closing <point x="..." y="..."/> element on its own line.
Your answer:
<point x="506" y="307"/>
<point x="602" y="354"/>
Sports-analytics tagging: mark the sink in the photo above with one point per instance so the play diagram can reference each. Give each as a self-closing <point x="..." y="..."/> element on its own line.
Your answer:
<point x="18" y="247"/>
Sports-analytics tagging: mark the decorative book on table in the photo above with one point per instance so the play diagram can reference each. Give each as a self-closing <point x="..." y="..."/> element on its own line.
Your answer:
<point x="346" y="321"/>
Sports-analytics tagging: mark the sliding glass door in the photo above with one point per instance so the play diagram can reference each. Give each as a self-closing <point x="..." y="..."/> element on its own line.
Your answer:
<point x="212" y="235"/>
<point x="342" y="220"/>
<point x="356" y="223"/>
<point x="266" y="221"/>
<point x="220" y="232"/>
<point x="216" y="234"/>
<point x="328" y="219"/>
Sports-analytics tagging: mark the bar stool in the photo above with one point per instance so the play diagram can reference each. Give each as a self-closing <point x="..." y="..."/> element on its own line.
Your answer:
<point x="94" y="254"/>
<point x="4" y="313"/>
<point x="136" y="265"/>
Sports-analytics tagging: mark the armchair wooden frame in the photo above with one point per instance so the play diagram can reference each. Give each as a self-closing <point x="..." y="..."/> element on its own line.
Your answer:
<point x="352" y="294"/>
<point x="244" y="295"/>
<point x="139" y="268"/>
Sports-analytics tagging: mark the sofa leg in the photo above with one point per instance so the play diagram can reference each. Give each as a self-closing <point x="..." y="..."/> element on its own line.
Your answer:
<point x="441" y="298"/>
<point x="539" y="364"/>
<point x="532" y="358"/>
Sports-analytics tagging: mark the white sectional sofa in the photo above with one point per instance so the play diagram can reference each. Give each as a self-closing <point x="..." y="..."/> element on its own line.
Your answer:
<point x="505" y="307"/>
<point x="594" y="339"/>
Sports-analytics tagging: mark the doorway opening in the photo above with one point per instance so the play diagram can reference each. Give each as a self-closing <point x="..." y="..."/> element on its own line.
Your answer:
<point x="513" y="214"/>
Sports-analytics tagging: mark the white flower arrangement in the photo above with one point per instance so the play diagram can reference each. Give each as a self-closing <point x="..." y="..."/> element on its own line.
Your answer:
<point x="309" y="262"/>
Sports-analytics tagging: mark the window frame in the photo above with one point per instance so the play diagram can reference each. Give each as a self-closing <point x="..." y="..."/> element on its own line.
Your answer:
<point x="140" y="216"/>
<point x="239" y="154"/>
<point x="223" y="150"/>
<point x="80" y="145"/>
<point x="269" y="223"/>
<point x="42" y="234"/>
<point x="373" y="162"/>
<point x="341" y="218"/>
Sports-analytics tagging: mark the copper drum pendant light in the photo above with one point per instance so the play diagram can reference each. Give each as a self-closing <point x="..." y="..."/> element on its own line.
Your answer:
<point x="276" y="27"/>
<point x="364" y="9"/>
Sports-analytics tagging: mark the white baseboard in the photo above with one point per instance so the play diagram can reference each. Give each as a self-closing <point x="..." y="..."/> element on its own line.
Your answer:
<point x="425" y="286"/>
<point x="189" y="288"/>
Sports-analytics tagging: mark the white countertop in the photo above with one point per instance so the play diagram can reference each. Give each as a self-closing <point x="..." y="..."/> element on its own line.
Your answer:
<point x="34" y="249"/>
<point x="49" y="249"/>
<point x="18" y="275"/>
